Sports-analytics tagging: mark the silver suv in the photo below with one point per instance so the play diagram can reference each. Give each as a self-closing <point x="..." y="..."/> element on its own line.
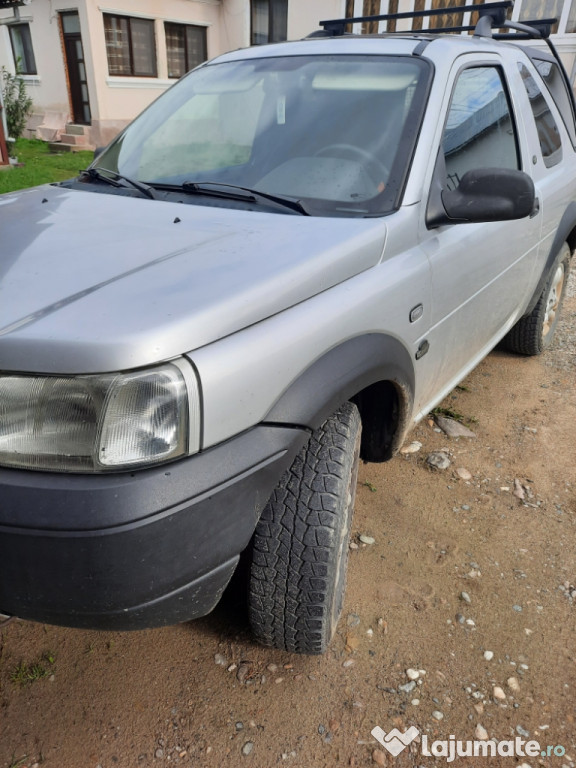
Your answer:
<point x="276" y="270"/>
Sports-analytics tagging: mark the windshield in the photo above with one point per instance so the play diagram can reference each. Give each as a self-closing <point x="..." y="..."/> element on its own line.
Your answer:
<point x="336" y="132"/>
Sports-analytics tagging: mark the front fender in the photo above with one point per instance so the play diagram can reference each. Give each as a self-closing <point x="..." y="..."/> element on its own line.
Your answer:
<point x="343" y="373"/>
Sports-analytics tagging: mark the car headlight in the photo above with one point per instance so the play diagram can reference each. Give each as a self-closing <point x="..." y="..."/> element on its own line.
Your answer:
<point x="99" y="423"/>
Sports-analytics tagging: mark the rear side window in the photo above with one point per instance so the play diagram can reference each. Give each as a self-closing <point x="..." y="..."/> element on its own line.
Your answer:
<point x="480" y="130"/>
<point x="548" y="133"/>
<point x="556" y="84"/>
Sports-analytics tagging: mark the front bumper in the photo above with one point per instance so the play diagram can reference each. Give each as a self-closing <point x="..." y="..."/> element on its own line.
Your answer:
<point x="136" y="550"/>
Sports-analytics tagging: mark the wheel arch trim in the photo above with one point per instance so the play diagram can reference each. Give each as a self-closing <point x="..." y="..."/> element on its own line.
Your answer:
<point x="342" y="373"/>
<point x="566" y="232"/>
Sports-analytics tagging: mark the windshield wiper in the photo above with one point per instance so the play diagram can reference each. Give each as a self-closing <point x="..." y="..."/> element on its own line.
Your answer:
<point x="116" y="179"/>
<point x="235" y="192"/>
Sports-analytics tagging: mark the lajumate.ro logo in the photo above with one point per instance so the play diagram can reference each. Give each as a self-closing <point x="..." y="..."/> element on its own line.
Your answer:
<point x="395" y="742"/>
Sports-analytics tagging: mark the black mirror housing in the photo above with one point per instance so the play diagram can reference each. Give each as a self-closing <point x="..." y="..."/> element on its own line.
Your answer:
<point x="483" y="195"/>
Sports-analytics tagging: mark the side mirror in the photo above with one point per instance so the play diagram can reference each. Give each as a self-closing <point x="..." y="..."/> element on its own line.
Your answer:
<point x="98" y="151"/>
<point x="484" y="194"/>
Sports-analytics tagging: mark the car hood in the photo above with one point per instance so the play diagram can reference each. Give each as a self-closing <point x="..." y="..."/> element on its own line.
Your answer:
<point x="100" y="282"/>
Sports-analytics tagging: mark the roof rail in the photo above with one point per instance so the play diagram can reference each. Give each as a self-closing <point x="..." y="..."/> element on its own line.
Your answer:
<point x="539" y="28"/>
<point x="493" y="13"/>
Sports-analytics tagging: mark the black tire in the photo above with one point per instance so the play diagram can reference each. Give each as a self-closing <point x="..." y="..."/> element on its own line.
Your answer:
<point x="300" y="548"/>
<point x="534" y="333"/>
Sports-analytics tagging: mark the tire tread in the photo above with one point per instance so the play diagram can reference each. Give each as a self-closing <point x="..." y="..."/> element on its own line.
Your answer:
<point x="295" y="540"/>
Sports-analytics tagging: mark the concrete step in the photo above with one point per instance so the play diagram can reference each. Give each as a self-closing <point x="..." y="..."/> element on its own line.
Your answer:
<point x="61" y="146"/>
<point x="75" y="130"/>
<point x="74" y="138"/>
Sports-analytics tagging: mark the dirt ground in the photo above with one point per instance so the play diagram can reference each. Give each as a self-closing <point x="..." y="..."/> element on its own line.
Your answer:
<point x="498" y="659"/>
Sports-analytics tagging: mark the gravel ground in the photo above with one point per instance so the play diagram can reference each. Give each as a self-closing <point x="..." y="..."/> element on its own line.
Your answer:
<point x="459" y="619"/>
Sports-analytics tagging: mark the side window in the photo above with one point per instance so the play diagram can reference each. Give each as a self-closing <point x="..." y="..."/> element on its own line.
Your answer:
<point x="480" y="130"/>
<point x="22" y="47"/>
<point x="550" y="73"/>
<point x="548" y="133"/>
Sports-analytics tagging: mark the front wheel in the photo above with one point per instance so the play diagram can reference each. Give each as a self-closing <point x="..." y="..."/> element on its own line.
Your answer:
<point x="300" y="548"/>
<point x="534" y="333"/>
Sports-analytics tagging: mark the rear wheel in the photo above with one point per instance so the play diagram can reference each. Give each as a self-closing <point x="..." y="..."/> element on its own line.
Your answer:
<point x="300" y="548"/>
<point x="534" y="333"/>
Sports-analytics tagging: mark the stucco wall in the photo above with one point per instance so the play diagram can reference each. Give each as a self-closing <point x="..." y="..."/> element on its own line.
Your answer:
<point x="114" y="101"/>
<point x="303" y="16"/>
<point x="47" y="89"/>
<point x="121" y="98"/>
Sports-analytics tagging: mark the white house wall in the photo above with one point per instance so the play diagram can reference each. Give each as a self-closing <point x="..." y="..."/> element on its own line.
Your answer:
<point x="48" y="89"/>
<point x="114" y="101"/>
<point x="117" y="100"/>
<point x="304" y="15"/>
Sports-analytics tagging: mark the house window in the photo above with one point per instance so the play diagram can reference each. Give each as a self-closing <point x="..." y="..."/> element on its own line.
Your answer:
<point x="269" y="21"/>
<point x="22" y="49"/>
<point x="130" y="46"/>
<point x="571" y="22"/>
<point x="185" y="46"/>
<point x="532" y="10"/>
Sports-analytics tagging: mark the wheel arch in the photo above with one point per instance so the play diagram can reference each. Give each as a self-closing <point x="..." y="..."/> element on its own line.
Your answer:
<point x="376" y="372"/>
<point x="566" y="233"/>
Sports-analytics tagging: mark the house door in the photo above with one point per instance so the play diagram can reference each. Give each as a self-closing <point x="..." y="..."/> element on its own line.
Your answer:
<point x="76" y="68"/>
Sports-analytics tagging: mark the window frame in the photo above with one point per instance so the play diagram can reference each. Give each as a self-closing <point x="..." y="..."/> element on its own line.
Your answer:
<point x="562" y="98"/>
<point x="154" y="55"/>
<point x="506" y="90"/>
<point x="554" y="157"/>
<point x="28" y="70"/>
<point x="187" y="64"/>
<point x="437" y="184"/>
<point x="271" y="22"/>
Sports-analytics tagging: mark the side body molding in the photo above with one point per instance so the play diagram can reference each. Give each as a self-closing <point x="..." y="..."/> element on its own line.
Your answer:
<point x="356" y="366"/>
<point x="564" y="233"/>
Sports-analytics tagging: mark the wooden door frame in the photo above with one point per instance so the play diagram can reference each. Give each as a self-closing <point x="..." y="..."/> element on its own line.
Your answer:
<point x="61" y="14"/>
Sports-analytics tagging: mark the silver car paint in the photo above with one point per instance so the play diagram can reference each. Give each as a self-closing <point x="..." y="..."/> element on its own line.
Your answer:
<point x="244" y="375"/>
<point x="96" y="282"/>
<point x="474" y="280"/>
<point x="254" y="299"/>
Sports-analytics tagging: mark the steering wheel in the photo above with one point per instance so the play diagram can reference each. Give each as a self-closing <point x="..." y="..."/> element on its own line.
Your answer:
<point x="373" y="165"/>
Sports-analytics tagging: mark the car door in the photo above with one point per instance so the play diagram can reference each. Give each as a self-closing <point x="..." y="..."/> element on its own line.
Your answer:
<point x="552" y="140"/>
<point x="481" y="272"/>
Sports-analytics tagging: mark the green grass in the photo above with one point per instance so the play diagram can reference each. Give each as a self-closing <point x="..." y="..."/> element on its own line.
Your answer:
<point x="17" y="762"/>
<point x="450" y="413"/>
<point x="24" y="674"/>
<point x="41" y="166"/>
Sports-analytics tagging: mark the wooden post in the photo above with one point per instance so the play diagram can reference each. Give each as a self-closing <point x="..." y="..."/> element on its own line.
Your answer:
<point x="4" y="157"/>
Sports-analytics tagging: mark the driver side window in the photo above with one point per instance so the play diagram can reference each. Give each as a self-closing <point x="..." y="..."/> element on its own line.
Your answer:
<point x="480" y="130"/>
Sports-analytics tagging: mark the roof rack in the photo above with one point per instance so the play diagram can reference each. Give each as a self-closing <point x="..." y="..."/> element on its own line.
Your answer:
<point x="490" y="16"/>
<point x="539" y="29"/>
<point x="493" y="14"/>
